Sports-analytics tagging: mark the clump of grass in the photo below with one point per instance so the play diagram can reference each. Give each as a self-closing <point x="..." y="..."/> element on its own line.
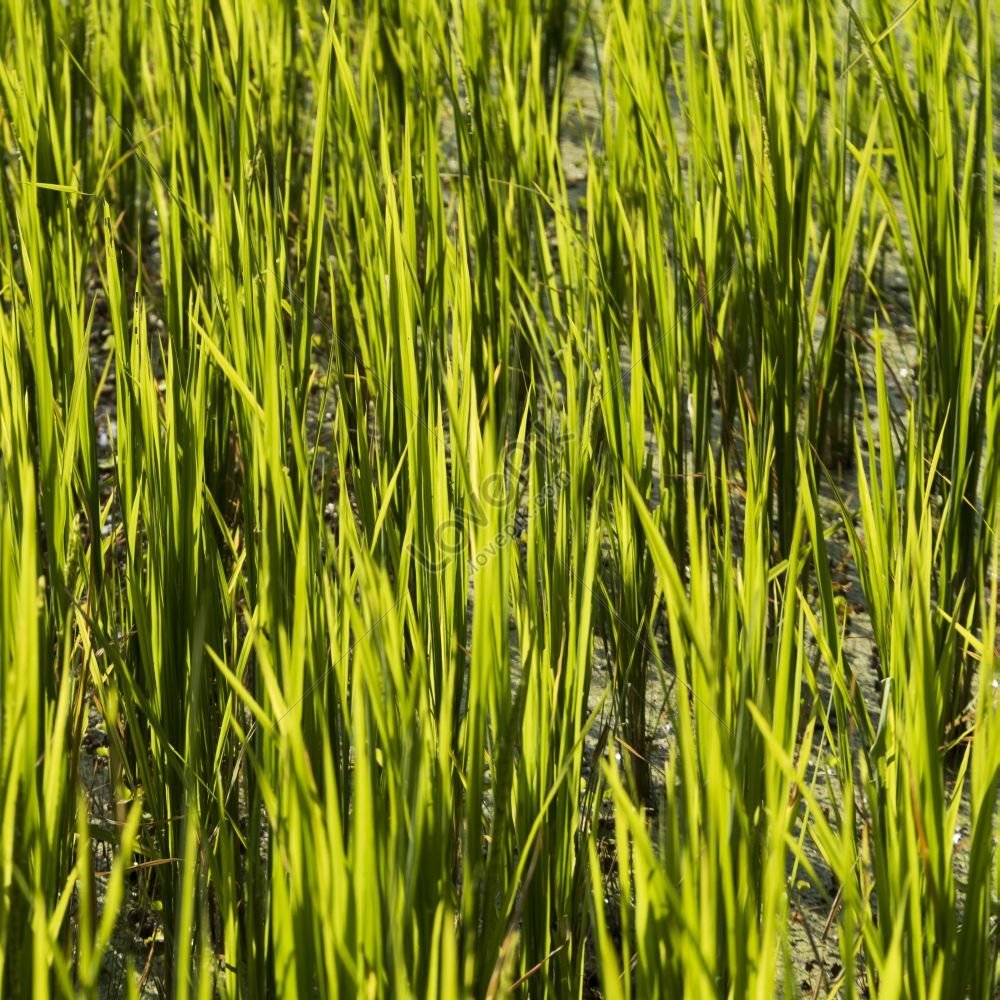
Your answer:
<point x="431" y="471"/>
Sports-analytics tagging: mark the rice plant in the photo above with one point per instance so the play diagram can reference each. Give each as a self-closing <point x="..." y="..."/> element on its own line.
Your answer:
<point x="468" y="527"/>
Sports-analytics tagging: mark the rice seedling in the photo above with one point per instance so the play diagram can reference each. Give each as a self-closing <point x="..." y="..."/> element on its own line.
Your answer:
<point x="942" y="124"/>
<point x="464" y="531"/>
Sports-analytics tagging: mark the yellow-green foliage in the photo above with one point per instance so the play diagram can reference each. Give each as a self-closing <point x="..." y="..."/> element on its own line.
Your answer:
<point x="365" y="480"/>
